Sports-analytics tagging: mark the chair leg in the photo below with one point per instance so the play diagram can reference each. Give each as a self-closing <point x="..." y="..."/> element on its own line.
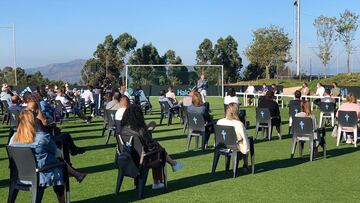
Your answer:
<point x="311" y="145"/>
<point x="169" y="118"/>
<point x="301" y="147"/>
<point x="188" y="142"/>
<point x="161" y="118"/>
<point x="164" y="175"/>
<point x="293" y="147"/>
<point x="185" y="127"/>
<point x="355" y="137"/>
<point x="12" y="194"/>
<point x="324" y="150"/>
<point x="37" y="194"/>
<point x="120" y="178"/>
<point x="338" y="136"/>
<point x="256" y="130"/>
<point x="104" y="129"/>
<point x="142" y="182"/>
<point x="269" y="131"/>
<point x="253" y="163"/>
<point x="236" y="163"/>
<point x="215" y="161"/>
<point x="197" y="142"/>
<point x="203" y="141"/>
<point x="332" y="119"/>
<point x="321" y="119"/>
<point x="227" y="162"/>
<point x="108" y="137"/>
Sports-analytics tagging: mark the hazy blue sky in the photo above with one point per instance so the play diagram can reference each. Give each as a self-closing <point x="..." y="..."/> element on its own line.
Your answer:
<point x="52" y="31"/>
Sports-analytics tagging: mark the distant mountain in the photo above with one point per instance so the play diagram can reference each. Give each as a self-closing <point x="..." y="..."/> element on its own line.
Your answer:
<point x="69" y="71"/>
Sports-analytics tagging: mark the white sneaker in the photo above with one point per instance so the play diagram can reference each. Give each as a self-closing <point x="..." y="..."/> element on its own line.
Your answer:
<point x="177" y="166"/>
<point x="349" y="141"/>
<point x="157" y="186"/>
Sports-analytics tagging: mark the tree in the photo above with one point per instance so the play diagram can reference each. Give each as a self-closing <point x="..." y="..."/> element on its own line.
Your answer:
<point x="346" y="28"/>
<point x="205" y="56"/>
<point x="325" y="30"/>
<point x="109" y="58"/>
<point x="147" y="54"/>
<point x="226" y="54"/>
<point x="253" y="72"/>
<point x="177" y="74"/>
<point x="270" y="45"/>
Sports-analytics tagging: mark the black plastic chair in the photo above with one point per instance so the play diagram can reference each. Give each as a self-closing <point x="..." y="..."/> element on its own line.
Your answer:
<point x="327" y="110"/>
<point x="196" y="126"/>
<point x="111" y="125"/>
<point x="225" y="144"/>
<point x="347" y="119"/>
<point x="304" y="132"/>
<point x="13" y="118"/>
<point x="5" y="116"/>
<point x="183" y="115"/>
<point x="138" y="171"/>
<point x="165" y="111"/>
<point x="23" y="166"/>
<point x="263" y="121"/>
<point x="294" y="108"/>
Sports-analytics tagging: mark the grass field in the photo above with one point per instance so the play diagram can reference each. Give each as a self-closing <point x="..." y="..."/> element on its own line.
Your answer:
<point x="277" y="178"/>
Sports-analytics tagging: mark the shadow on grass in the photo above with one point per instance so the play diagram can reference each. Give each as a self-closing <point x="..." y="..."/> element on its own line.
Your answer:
<point x="87" y="137"/>
<point x="173" y="185"/>
<point x="84" y="131"/>
<point x="4" y="183"/>
<point x="98" y="168"/>
<point x="102" y="146"/>
<point x="166" y="130"/>
<point x="175" y="137"/>
<point x="81" y="125"/>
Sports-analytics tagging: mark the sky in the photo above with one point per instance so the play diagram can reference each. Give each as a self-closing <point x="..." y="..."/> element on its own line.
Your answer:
<point x="52" y="31"/>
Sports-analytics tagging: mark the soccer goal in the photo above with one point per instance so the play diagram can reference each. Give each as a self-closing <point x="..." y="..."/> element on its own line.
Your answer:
<point x="175" y="75"/>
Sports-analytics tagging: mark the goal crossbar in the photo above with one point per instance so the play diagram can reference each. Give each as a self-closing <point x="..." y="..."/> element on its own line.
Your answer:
<point x="176" y="65"/>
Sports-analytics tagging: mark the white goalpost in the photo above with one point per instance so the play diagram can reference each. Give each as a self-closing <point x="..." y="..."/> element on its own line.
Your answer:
<point x="176" y="65"/>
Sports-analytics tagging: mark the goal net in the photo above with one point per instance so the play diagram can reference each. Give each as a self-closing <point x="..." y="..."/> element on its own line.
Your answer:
<point x="176" y="75"/>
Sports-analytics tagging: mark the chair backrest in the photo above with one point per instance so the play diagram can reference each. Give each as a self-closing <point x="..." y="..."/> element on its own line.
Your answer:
<point x="225" y="135"/>
<point x="196" y="121"/>
<point x="5" y="105"/>
<point x="133" y="140"/>
<point x="22" y="163"/>
<point x="14" y="116"/>
<point x="327" y="107"/>
<point x="262" y="115"/>
<point x="347" y="118"/>
<point x="110" y="114"/>
<point x="303" y="126"/>
<point x="165" y="107"/>
<point x="59" y="106"/>
<point x="294" y="108"/>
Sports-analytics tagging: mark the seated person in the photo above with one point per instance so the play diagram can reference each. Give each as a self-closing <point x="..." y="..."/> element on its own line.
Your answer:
<point x="326" y="98"/>
<point x="133" y="124"/>
<point x="305" y="89"/>
<point x="15" y="103"/>
<point x="350" y="105"/>
<point x="297" y="98"/>
<point x="335" y="91"/>
<point x="187" y="100"/>
<point x="68" y="104"/>
<point x="88" y="97"/>
<point x="250" y="90"/>
<point x="123" y="91"/>
<point x="318" y="135"/>
<point x="275" y="89"/>
<point x="114" y="103"/>
<point x="199" y="107"/>
<point x="269" y="103"/>
<point x="264" y="88"/>
<point x="170" y="94"/>
<point x="123" y="104"/>
<point x="232" y="119"/>
<point x="46" y="153"/>
<point x="231" y="97"/>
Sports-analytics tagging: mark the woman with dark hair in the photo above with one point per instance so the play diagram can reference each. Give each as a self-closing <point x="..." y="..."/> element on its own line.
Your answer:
<point x="269" y="103"/>
<point x="133" y="124"/>
<point x="231" y="97"/>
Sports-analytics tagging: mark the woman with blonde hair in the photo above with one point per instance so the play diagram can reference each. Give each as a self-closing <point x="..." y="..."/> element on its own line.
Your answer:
<point x="46" y="153"/>
<point x="232" y="119"/>
<point x="350" y="105"/>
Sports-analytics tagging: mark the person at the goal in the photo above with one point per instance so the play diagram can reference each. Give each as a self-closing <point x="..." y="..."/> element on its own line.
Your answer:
<point x="202" y="85"/>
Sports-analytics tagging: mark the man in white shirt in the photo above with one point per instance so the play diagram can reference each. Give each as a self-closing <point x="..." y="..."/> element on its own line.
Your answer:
<point x="124" y="92"/>
<point x="88" y="95"/>
<point x="170" y="94"/>
<point x="320" y="90"/>
<point x="251" y="90"/>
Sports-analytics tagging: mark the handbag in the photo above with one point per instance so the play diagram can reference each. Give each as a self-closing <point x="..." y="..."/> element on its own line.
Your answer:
<point x="334" y="132"/>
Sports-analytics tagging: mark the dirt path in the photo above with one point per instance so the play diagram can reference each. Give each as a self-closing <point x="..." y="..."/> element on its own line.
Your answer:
<point x="291" y="90"/>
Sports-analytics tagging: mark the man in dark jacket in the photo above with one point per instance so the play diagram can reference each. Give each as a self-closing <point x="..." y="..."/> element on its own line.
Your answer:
<point x="269" y="103"/>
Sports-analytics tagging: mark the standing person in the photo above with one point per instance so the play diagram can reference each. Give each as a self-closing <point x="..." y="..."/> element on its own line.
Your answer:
<point x="305" y="89"/>
<point x="123" y="91"/>
<point x="170" y="94"/>
<point x="114" y="103"/>
<point x="335" y="90"/>
<point x="350" y="105"/>
<point x="273" y="107"/>
<point x="202" y="85"/>
<point x="5" y="94"/>
<point x="88" y="97"/>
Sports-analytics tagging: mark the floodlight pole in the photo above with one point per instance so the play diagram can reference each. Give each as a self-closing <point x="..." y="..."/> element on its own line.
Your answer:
<point x="14" y="49"/>
<point x="126" y="76"/>
<point x="298" y="38"/>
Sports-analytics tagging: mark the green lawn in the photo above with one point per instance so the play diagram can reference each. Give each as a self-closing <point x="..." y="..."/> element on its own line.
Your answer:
<point x="277" y="177"/>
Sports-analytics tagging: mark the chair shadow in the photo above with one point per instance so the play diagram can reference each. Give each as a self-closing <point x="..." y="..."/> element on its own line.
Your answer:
<point x="81" y="125"/>
<point x="98" y="168"/>
<point x="4" y="183"/>
<point x="83" y="130"/>
<point x="166" y="130"/>
<point x="173" y="185"/>
<point x="86" y="137"/>
<point x="102" y="146"/>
